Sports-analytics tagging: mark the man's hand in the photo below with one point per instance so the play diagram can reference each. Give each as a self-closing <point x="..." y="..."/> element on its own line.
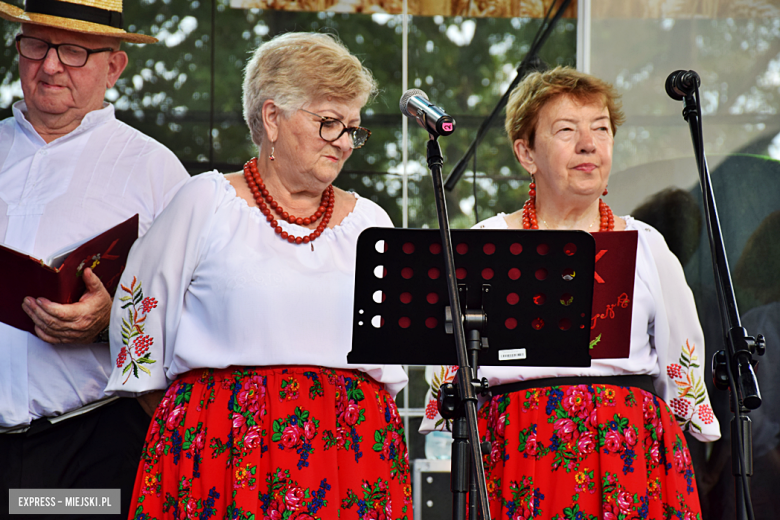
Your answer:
<point x="78" y="322"/>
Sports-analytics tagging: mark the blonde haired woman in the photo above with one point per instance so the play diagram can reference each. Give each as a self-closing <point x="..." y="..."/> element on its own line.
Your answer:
<point x="241" y="296"/>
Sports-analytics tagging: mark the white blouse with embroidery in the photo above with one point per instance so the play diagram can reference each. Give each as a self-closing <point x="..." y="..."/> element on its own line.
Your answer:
<point x="667" y="342"/>
<point x="212" y="285"/>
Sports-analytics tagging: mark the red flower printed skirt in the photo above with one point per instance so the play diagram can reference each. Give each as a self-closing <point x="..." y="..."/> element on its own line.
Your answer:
<point x="274" y="443"/>
<point x="586" y="452"/>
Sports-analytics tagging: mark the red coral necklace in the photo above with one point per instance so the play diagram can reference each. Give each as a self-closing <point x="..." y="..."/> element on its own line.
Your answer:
<point x="607" y="219"/>
<point x="266" y="203"/>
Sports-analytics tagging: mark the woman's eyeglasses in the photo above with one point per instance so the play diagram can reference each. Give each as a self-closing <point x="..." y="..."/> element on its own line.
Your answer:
<point x="331" y="129"/>
<point x="70" y="54"/>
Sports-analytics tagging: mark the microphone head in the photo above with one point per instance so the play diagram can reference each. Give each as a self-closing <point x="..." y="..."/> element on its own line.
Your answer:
<point x="671" y="87"/>
<point x="682" y="83"/>
<point x="404" y="103"/>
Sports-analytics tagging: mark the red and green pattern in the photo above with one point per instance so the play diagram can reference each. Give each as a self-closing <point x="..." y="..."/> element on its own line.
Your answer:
<point x="586" y="452"/>
<point x="689" y="407"/>
<point x="277" y="443"/>
<point x="135" y="344"/>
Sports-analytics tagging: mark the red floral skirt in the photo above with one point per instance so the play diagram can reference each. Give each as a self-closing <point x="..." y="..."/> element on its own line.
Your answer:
<point x="586" y="452"/>
<point x="276" y="443"/>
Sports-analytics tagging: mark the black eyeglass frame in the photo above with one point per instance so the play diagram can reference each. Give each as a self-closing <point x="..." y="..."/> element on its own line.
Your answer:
<point x="350" y="129"/>
<point x="56" y="47"/>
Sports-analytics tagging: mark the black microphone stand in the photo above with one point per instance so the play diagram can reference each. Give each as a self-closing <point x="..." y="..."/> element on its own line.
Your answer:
<point x="530" y="63"/>
<point x="732" y="368"/>
<point x="466" y="374"/>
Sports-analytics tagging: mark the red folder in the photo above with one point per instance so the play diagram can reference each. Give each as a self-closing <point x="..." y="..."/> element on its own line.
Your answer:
<point x="105" y="254"/>
<point x="613" y="294"/>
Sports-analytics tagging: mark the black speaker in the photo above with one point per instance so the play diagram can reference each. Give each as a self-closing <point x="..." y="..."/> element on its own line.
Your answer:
<point x="431" y="489"/>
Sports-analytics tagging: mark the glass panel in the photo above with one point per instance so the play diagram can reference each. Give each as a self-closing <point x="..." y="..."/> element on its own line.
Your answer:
<point x="417" y="387"/>
<point x="465" y="65"/>
<point x="734" y="48"/>
<point x="416" y="441"/>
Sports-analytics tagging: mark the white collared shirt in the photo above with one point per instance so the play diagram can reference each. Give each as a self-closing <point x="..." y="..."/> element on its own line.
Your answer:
<point x="53" y="195"/>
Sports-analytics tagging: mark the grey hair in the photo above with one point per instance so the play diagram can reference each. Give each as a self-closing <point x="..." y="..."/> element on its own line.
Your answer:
<point x="296" y="68"/>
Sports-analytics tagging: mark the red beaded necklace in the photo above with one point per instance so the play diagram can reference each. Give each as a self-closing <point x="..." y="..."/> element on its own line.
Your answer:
<point x="607" y="219"/>
<point x="264" y="200"/>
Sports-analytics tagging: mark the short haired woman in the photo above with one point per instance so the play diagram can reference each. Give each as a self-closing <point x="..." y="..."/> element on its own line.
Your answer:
<point x="241" y="295"/>
<point x="602" y="441"/>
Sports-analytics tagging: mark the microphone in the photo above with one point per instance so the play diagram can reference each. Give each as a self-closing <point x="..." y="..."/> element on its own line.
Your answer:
<point x="682" y="84"/>
<point x="415" y="105"/>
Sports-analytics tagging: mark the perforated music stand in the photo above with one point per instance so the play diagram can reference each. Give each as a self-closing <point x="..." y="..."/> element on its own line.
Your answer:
<point x="536" y="289"/>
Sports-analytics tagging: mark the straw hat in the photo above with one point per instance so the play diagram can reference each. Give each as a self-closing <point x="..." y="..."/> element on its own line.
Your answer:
<point x="99" y="17"/>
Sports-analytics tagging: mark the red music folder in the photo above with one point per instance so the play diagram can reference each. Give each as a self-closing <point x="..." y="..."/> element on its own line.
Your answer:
<point x="613" y="294"/>
<point x="105" y="254"/>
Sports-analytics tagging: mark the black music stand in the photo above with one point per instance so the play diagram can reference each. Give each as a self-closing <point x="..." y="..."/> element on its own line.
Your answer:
<point x="528" y="293"/>
<point x="536" y="289"/>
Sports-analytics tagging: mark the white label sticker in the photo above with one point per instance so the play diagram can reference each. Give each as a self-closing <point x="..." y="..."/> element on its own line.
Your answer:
<point x="506" y="355"/>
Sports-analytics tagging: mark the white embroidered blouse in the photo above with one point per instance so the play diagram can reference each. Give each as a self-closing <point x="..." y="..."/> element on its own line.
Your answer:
<point x="667" y="342"/>
<point x="212" y="285"/>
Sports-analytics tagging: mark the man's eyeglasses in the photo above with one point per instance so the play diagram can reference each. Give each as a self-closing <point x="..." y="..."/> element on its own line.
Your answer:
<point x="331" y="129"/>
<point x="70" y="54"/>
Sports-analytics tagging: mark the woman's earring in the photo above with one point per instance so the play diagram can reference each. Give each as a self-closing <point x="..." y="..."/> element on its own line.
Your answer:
<point x="605" y="191"/>
<point x="272" y="154"/>
<point x="532" y="188"/>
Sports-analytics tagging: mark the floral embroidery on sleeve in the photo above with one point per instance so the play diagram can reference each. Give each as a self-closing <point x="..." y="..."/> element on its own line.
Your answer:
<point x="691" y="391"/>
<point x="446" y="374"/>
<point x="135" y="344"/>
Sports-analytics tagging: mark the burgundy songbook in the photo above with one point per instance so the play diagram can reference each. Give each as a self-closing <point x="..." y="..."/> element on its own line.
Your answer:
<point x="613" y="294"/>
<point x="62" y="281"/>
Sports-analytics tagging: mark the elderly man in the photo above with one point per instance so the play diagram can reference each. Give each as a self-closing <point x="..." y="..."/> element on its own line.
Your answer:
<point x="69" y="170"/>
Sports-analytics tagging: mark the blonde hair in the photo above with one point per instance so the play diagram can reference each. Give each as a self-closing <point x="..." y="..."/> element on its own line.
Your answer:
<point x="296" y="68"/>
<point x="539" y="88"/>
